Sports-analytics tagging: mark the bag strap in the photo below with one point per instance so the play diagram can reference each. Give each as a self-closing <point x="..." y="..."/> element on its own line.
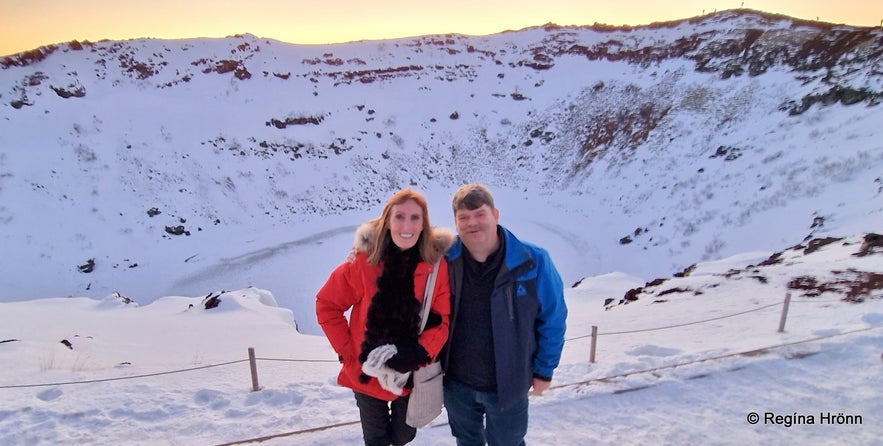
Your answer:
<point x="427" y="295"/>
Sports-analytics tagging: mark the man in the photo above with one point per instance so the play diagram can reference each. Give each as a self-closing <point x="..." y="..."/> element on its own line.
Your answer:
<point x="506" y="328"/>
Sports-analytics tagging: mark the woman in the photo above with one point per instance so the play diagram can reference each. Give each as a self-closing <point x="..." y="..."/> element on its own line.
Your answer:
<point x="382" y="285"/>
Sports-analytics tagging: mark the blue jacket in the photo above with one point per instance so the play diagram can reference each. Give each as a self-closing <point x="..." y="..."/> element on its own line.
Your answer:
<point x="528" y="315"/>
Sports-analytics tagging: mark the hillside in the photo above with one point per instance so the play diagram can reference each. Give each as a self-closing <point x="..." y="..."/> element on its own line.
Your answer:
<point x="685" y="141"/>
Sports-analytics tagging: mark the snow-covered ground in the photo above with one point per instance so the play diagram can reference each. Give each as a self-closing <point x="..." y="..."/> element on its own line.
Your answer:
<point x="693" y="369"/>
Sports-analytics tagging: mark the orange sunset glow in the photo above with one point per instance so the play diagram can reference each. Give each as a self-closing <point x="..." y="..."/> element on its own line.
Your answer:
<point x="28" y="24"/>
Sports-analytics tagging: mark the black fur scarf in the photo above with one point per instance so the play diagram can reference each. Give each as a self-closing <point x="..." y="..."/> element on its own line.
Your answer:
<point x="394" y="312"/>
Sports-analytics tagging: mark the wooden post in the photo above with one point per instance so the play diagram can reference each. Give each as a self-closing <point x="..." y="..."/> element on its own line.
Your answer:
<point x="594" y="344"/>
<point x="254" y="370"/>
<point x="784" y="312"/>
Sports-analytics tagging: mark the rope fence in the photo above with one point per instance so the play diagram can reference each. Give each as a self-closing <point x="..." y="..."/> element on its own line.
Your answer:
<point x="577" y="384"/>
<point x="253" y="359"/>
<point x="752" y="352"/>
<point x="595" y="334"/>
<point x="170" y="372"/>
<point x="644" y="330"/>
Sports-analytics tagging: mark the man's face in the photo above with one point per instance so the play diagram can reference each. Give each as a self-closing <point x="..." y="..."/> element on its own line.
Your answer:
<point x="478" y="227"/>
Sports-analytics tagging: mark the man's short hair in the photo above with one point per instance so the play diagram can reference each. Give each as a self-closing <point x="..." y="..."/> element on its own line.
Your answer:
<point x="471" y="197"/>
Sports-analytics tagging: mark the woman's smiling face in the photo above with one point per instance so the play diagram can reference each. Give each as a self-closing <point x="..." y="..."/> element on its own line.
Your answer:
<point x="405" y="224"/>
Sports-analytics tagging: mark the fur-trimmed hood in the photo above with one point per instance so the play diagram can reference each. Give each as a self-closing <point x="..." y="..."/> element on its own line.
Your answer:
<point x="442" y="240"/>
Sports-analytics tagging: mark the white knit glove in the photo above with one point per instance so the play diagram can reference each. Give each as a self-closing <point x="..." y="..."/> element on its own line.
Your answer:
<point x="388" y="378"/>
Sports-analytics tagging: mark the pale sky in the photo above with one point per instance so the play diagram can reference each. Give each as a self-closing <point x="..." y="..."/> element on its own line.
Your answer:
<point x="28" y="24"/>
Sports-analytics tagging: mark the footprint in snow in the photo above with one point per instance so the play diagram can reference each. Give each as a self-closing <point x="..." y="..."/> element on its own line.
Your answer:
<point x="50" y="394"/>
<point x="653" y="350"/>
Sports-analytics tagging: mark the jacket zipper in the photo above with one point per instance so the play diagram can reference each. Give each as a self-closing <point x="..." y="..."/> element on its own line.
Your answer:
<point x="510" y="302"/>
